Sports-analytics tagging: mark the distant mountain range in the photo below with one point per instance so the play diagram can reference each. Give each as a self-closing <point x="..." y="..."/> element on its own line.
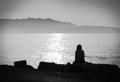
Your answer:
<point x="32" y="25"/>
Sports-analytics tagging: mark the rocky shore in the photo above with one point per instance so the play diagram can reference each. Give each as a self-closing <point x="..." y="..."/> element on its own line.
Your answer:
<point x="52" y="72"/>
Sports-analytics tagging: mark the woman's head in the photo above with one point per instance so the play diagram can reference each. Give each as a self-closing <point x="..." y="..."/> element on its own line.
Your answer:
<point x="79" y="47"/>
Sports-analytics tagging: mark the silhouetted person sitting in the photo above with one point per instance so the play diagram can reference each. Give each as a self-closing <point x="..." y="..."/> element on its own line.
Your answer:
<point x="79" y="55"/>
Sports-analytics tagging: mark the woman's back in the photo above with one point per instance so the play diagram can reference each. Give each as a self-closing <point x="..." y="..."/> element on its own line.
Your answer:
<point x="79" y="55"/>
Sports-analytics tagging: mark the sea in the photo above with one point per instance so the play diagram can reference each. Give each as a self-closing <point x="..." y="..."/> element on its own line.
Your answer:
<point x="59" y="47"/>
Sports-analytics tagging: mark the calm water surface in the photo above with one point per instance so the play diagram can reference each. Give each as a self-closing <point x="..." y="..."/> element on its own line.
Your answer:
<point x="59" y="47"/>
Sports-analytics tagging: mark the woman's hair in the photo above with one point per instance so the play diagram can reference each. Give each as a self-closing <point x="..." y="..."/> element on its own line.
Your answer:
<point x="79" y="47"/>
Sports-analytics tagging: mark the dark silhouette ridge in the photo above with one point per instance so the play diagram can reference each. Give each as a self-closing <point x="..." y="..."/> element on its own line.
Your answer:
<point x="46" y="70"/>
<point x="86" y="67"/>
<point x="51" y="66"/>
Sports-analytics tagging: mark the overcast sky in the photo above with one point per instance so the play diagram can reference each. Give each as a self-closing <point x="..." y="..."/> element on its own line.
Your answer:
<point x="80" y="12"/>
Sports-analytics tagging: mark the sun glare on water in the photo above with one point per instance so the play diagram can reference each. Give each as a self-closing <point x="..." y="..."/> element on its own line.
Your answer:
<point x="55" y="48"/>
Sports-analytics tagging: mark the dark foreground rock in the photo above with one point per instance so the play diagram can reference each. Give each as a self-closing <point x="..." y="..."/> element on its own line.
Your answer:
<point x="79" y="68"/>
<point x="51" y="72"/>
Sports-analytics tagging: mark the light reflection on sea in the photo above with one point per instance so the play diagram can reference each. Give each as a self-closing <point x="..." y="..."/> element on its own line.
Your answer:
<point x="55" y="47"/>
<point x="59" y="47"/>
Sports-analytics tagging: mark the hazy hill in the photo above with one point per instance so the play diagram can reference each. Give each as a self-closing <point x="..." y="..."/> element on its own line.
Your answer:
<point x="48" y="25"/>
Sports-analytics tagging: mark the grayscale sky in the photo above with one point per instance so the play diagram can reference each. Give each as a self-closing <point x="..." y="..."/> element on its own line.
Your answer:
<point x="80" y="12"/>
